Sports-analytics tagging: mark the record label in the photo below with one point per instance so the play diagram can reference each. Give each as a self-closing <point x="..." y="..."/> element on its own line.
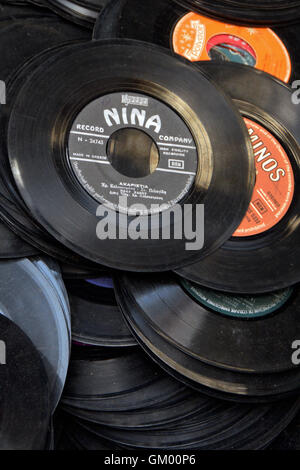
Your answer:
<point x="134" y="146"/>
<point x="274" y="188"/>
<point x="197" y="37"/>
<point x="238" y="306"/>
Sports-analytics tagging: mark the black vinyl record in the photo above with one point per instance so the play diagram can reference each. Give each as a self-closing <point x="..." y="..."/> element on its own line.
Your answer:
<point x="51" y="271"/>
<point x="73" y="271"/>
<point x="128" y="401"/>
<point x="96" y="317"/>
<point x="145" y="408"/>
<point x="263" y="255"/>
<point x="255" y="12"/>
<point x="83" y="12"/>
<point x="289" y="439"/>
<point x="12" y="208"/>
<point x="117" y="381"/>
<point x="76" y="437"/>
<point x="212" y="381"/>
<point x="250" y="360"/>
<point x="41" y="312"/>
<point x="12" y="7"/>
<point x="24" y="393"/>
<point x="230" y="427"/>
<point x="152" y="417"/>
<point x="24" y="34"/>
<point x="11" y="246"/>
<point x="70" y="182"/>
<point x="197" y="37"/>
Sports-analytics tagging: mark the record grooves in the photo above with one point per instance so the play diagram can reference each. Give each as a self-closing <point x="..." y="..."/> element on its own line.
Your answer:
<point x="254" y="13"/>
<point x="267" y="258"/>
<point x="13" y="210"/>
<point x="166" y="24"/>
<point x="96" y="317"/>
<point x="83" y="12"/>
<point x="230" y="429"/>
<point x="74" y="199"/>
<point x="169" y="337"/>
<point x="24" y="416"/>
<point x="151" y="151"/>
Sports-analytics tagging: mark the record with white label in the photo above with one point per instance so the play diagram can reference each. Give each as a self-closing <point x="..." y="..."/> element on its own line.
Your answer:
<point x="135" y="133"/>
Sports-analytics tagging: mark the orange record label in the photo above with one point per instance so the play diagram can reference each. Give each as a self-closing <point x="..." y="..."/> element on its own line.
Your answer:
<point x="196" y="38"/>
<point x="274" y="187"/>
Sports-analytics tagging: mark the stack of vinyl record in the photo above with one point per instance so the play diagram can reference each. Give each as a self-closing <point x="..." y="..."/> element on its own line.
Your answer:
<point x="35" y="348"/>
<point x="96" y="318"/>
<point x="150" y="212"/>
<point x="123" y="400"/>
<point x="266" y="12"/>
<point x="82" y="12"/>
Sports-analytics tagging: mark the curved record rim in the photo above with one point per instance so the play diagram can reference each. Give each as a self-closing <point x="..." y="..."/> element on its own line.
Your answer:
<point x="155" y="416"/>
<point x="145" y="396"/>
<point x="113" y="23"/>
<point x="83" y="439"/>
<point x="259" y="345"/>
<point x="221" y="383"/>
<point x="81" y="13"/>
<point x="28" y="60"/>
<point x="49" y="269"/>
<point x="15" y="9"/>
<point x="12" y="208"/>
<point x="96" y="317"/>
<point x="234" y="427"/>
<point x="41" y="194"/>
<point x="32" y="234"/>
<point x="48" y="30"/>
<point x="55" y="276"/>
<point x="12" y="246"/>
<point x="132" y="382"/>
<point x="46" y="326"/>
<point x="288" y="35"/>
<point x="62" y="319"/>
<point x="244" y="15"/>
<point x="14" y="82"/>
<point x="154" y="21"/>
<point x="289" y="438"/>
<point x="76" y="272"/>
<point x="24" y="392"/>
<point x="269" y="261"/>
